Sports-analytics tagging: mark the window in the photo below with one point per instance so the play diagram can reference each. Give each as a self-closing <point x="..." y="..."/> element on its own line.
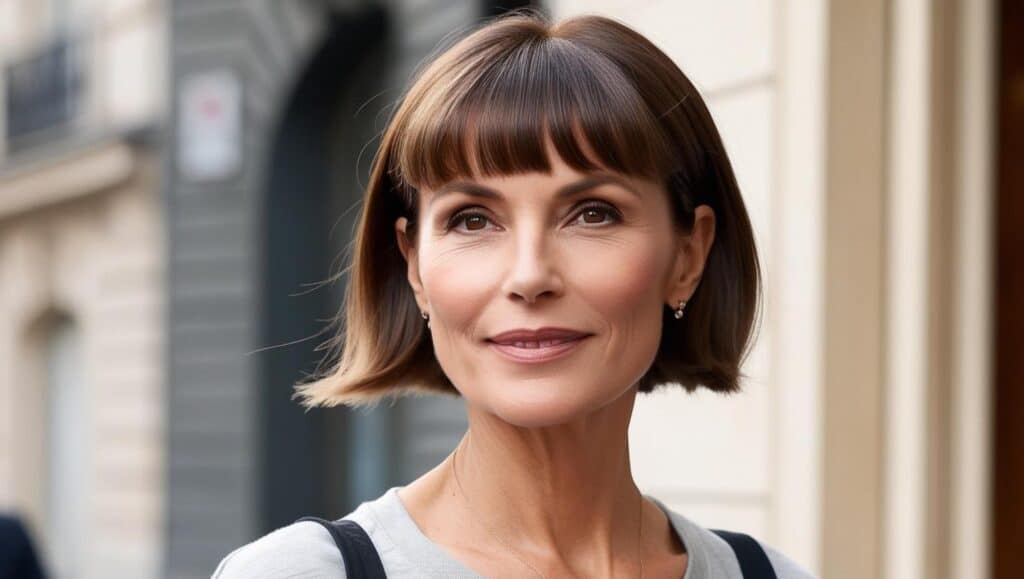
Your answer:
<point x="67" y="444"/>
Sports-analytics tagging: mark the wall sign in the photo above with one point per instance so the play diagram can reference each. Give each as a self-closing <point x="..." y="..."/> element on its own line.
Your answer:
<point x="210" y="126"/>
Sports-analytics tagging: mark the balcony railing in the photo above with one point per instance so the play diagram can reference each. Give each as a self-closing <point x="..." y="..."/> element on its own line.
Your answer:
<point x="43" y="94"/>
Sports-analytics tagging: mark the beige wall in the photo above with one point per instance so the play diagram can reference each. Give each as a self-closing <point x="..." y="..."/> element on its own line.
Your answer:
<point x="95" y="254"/>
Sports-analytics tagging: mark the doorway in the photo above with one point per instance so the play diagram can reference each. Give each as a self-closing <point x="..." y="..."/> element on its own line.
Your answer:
<point x="1008" y="494"/>
<point x="307" y="467"/>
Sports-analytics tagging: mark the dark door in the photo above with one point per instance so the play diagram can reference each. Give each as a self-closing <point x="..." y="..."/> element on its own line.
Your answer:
<point x="1008" y="508"/>
<point x="311" y="206"/>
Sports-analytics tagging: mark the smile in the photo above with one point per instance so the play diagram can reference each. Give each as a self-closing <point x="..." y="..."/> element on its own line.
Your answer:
<point x="532" y="352"/>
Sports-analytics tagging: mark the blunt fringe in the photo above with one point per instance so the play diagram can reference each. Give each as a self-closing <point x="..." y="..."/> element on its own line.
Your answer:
<point x="484" y="106"/>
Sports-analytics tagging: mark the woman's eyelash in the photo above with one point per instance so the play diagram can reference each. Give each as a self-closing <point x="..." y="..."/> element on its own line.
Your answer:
<point x="605" y="208"/>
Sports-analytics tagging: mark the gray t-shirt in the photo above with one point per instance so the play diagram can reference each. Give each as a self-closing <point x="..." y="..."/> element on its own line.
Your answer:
<point x="306" y="550"/>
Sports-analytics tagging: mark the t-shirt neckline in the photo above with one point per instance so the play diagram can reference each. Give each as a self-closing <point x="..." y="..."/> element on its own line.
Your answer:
<point x="409" y="538"/>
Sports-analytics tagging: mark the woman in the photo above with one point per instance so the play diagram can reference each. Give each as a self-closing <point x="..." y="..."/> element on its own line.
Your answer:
<point x="551" y="226"/>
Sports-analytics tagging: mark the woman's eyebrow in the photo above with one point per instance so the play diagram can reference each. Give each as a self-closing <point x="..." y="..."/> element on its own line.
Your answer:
<point x="478" y="190"/>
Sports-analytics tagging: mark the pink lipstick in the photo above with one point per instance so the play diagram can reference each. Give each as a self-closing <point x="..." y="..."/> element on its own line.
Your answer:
<point x="536" y="346"/>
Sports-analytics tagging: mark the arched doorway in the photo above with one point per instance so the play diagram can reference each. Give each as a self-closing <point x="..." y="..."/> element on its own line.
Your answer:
<point x="306" y="466"/>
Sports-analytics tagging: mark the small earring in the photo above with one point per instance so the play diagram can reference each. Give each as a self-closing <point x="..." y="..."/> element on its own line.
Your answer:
<point x="679" y="310"/>
<point x="426" y="316"/>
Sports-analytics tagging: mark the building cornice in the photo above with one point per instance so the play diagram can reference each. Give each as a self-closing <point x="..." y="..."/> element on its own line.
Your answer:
<point x="58" y="175"/>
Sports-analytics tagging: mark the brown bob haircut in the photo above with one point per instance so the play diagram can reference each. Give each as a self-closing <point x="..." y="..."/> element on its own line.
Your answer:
<point x="485" y="105"/>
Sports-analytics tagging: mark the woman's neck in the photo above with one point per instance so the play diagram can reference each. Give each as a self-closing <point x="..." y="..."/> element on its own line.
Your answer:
<point x="560" y="496"/>
<point x="559" y="486"/>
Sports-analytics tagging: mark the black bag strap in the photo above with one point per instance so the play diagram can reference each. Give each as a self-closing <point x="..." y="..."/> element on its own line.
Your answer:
<point x="754" y="563"/>
<point x="357" y="550"/>
<point x="363" y="562"/>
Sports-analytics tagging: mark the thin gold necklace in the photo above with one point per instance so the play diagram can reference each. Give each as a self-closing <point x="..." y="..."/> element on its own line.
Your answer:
<point x="513" y="552"/>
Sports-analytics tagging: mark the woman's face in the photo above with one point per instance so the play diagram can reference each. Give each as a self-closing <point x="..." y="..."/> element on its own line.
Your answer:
<point x="534" y="251"/>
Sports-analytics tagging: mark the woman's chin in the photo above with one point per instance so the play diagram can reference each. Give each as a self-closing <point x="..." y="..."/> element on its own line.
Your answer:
<point x="545" y="407"/>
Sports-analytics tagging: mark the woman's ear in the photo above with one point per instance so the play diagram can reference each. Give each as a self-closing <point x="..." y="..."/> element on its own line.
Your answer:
<point x="691" y="256"/>
<point x="409" y="252"/>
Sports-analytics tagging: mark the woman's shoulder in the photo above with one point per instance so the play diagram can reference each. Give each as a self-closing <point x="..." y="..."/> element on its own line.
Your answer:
<point x="301" y="549"/>
<point x="306" y="549"/>
<point x="711" y="555"/>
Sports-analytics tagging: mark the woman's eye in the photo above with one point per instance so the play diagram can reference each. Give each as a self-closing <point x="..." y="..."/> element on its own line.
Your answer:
<point x="474" y="221"/>
<point x="599" y="214"/>
<point x="593" y="214"/>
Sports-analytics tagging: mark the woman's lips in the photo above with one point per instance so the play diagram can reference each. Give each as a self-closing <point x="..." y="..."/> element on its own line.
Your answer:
<point x="532" y="352"/>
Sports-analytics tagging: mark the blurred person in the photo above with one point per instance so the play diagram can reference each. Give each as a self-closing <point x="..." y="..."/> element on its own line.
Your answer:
<point x="18" y="558"/>
<point x="552" y="226"/>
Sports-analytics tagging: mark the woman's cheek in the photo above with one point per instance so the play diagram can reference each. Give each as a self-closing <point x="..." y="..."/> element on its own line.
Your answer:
<point x="621" y="278"/>
<point x="625" y="295"/>
<point x="458" y="284"/>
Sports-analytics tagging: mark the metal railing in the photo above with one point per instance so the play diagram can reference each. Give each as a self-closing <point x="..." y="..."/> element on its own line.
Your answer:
<point x="44" y="93"/>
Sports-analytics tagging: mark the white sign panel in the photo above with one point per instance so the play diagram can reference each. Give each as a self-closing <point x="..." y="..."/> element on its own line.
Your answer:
<point x="210" y="126"/>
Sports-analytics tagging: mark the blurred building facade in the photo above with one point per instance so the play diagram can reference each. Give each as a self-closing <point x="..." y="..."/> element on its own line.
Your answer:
<point x="82" y="282"/>
<point x="178" y="176"/>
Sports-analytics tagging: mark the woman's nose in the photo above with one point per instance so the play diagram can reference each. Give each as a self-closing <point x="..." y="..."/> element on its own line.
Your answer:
<point x="533" y="268"/>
